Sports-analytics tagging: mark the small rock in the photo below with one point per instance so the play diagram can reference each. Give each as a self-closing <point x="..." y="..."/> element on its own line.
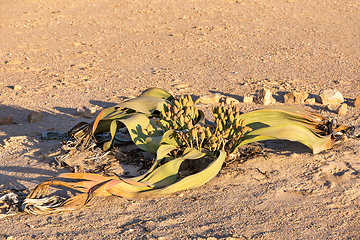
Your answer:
<point x="35" y="117"/>
<point x="265" y="97"/>
<point x="210" y="98"/>
<point x="332" y="107"/>
<point x="85" y="112"/>
<point x="342" y="109"/>
<point x="228" y="100"/>
<point x="248" y="99"/>
<point x="330" y="97"/>
<point x="17" y="88"/>
<point x="310" y="101"/>
<point x="7" y="120"/>
<point x="357" y="102"/>
<point x="295" y="97"/>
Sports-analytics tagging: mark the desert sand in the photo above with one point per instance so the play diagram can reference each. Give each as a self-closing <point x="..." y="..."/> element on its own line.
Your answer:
<point x="57" y="56"/>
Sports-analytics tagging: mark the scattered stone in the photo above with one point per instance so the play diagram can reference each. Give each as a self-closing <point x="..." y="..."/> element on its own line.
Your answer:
<point x="248" y="99"/>
<point x="210" y="98"/>
<point x="342" y="109"/>
<point x="332" y="107"/>
<point x="310" y="101"/>
<point x="7" y="120"/>
<point x="35" y="117"/>
<point x="295" y="97"/>
<point x="330" y="97"/>
<point x="85" y="112"/>
<point x="357" y="102"/>
<point x="17" y="88"/>
<point x="265" y="97"/>
<point x="228" y="100"/>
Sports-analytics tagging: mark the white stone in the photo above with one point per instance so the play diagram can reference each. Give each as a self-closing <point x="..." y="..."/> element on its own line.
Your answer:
<point x="342" y="109"/>
<point x="85" y="112"/>
<point x="330" y="97"/>
<point x="248" y="99"/>
<point x="310" y="101"/>
<point x="17" y="87"/>
<point x="210" y="98"/>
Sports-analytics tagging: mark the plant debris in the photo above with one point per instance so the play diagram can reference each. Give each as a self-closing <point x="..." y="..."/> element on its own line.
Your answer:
<point x="11" y="200"/>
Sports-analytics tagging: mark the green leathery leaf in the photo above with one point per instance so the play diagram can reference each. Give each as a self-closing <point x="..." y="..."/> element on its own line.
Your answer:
<point x="113" y="129"/>
<point x="194" y="180"/>
<point x="271" y="116"/>
<point x="153" y="143"/>
<point x="146" y="105"/>
<point x="170" y="137"/>
<point x="102" y="115"/>
<point x="150" y="100"/>
<point x="162" y="152"/>
<point x="168" y="143"/>
<point x="166" y="174"/>
<point x="104" y="126"/>
<point x="292" y="132"/>
<point x="135" y="123"/>
<point x="157" y="92"/>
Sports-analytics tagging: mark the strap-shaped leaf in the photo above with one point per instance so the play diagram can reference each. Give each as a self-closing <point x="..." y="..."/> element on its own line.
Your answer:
<point x="104" y="113"/>
<point x="113" y="129"/>
<point x="293" y="132"/>
<point x="167" y="173"/>
<point x="272" y="116"/>
<point x="136" y="123"/>
<point x="153" y="99"/>
<point x="96" y="185"/>
<point x="170" y="137"/>
<point x="162" y="152"/>
<point x="158" y="93"/>
<point x="194" y="180"/>
<point x="146" y="105"/>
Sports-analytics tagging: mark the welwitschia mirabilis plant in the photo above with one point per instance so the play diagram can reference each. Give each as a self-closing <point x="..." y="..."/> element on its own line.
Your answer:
<point x="173" y="130"/>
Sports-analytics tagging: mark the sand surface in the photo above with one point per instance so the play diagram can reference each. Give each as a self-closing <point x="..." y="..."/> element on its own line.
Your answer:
<point x="56" y="56"/>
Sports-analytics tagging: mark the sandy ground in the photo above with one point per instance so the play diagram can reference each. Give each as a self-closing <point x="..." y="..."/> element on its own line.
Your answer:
<point x="56" y="56"/>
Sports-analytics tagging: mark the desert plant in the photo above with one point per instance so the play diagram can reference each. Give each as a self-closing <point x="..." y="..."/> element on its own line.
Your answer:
<point x="173" y="130"/>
